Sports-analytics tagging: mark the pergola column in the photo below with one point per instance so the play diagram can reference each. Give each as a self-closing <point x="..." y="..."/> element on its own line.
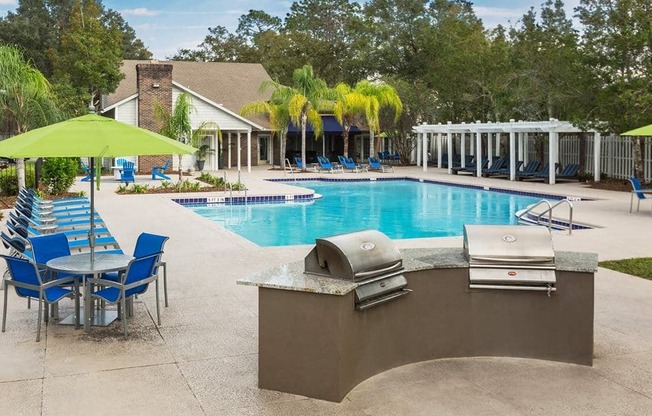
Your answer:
<point x="439" y="138"/>
<point x="478" y="154"/>
<point x="462" y="149"/>
<point x="553" y="139"/>
<point x="512" y="155"/>
<point x="497" y="144"/>
<point x="526" y="147"/>
<point x="596" y="156"/>
<point x="450" y="150"/>
<point x="490" y="148"/>
<point x="425" y="151"/>
<point x="420" y="145"/>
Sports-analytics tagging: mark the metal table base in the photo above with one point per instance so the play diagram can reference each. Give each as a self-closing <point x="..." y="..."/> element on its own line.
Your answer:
<point x="101" y="317"/>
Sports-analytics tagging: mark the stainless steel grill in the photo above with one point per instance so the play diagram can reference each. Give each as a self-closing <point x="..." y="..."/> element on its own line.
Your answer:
<point x="368" y="258"/>
<point x="510" y="257"/>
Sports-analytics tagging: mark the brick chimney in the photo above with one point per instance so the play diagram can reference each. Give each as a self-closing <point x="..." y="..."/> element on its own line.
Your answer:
<point x="154" y="85"/>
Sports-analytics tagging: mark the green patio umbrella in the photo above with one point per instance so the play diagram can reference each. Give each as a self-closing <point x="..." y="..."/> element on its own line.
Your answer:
<point x="90" y="136"/>
<point x="641" y="131"/>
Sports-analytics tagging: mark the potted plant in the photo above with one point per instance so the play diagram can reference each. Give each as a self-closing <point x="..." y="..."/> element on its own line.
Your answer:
<point x="203" y="151"/>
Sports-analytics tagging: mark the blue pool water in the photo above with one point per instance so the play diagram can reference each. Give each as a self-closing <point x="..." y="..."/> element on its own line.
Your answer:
<point x="400" y="209"/>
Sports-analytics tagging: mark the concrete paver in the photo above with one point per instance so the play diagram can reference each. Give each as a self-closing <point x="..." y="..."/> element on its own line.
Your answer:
<point x="203" y="358"/>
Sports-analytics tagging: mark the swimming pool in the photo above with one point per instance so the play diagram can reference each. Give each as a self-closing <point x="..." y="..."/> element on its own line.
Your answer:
<point x="398" y="208"/>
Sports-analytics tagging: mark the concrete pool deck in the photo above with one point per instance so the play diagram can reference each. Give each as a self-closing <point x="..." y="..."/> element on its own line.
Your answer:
<point x="202" y="360"/>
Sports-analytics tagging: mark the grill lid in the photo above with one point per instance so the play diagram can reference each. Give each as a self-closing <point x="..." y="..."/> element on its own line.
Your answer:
<point x="354" y="256"/>
<point x="508" y="246"/>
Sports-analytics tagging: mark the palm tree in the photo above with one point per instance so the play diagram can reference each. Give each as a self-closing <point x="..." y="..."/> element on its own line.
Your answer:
<point x="177" y="125"/>
<point x="279" y="117"/>
<point x="26" y="99"/>
<point x="379" y="95"/>
<point x="307" y="95"/>
<point x="350" y="107"/>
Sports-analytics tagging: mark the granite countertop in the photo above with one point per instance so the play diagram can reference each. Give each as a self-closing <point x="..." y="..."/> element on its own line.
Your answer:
<point x="291" y="276"/>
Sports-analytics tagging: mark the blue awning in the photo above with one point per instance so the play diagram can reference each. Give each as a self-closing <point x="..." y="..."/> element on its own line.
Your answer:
<point x="331" y="126"/>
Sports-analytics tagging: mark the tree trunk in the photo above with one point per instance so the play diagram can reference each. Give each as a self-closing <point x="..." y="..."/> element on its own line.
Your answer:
<point x="345" y="136"/>
<point x="180" y="170"/>
<point x="638" y="159"/>
<point x="20" y="173"/>
<point x="582" y="152"/>
<point x="304" y="122"/>
<point x="371" y="143"/>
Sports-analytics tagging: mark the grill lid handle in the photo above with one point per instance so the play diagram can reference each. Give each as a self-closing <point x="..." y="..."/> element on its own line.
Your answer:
<point x="362" y="275"/>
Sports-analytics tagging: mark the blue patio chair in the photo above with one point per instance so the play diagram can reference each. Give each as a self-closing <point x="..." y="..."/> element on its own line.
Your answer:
<point x="127" y="173"/>
<point x="47" y="247"/>
<point x="148" y="244"/>
<point x="158" y="172"/>
<point x="87" y="170"/>
<point x="140" y="273"/>
<point x="639" y="192"/>
<point x="26" y="279"/>
<point x="374" y="164"/>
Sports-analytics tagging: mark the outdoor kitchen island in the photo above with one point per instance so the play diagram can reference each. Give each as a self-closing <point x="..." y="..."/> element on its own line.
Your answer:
<point x="314" y="342"/>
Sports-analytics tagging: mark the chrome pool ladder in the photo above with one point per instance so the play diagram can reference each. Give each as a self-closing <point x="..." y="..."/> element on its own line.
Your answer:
<point x="551" y="207"/>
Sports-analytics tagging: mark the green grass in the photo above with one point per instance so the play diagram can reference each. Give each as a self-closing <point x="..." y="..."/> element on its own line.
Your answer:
<point x="641" y="267"/>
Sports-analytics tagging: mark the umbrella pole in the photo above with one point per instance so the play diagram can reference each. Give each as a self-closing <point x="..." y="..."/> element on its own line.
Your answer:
<point x="91" y="232"/>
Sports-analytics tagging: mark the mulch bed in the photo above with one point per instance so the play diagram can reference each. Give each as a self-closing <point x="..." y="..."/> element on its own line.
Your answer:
<point x="620" y="185"/>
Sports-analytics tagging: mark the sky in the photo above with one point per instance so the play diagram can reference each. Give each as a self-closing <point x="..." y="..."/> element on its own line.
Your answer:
<point x="167" y="26"/>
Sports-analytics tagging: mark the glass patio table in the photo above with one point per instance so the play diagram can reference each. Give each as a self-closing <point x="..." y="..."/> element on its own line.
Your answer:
<point x="80" y="264"/>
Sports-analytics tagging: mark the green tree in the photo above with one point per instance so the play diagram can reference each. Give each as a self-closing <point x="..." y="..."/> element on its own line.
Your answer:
<point x="176" y="124"/>
<point x="328" y="35"/>
<point x="618" y="56"/>
<point x="304" y="99"/>
<point x="132" y="47"/>
<point x="26" y="99"/>
<point x="89" y="54"/>
<point x="379" y="95"/>
<point x="349" y="110"/>
<point x="279" y="118"/>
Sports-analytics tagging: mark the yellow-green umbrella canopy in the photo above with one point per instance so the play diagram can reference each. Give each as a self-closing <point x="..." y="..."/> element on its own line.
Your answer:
<point x="90" y="135"/>
<point x="641" y="131"/>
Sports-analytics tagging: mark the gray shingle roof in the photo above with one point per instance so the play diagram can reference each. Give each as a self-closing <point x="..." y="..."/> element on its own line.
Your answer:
<point x="229" y="84"/>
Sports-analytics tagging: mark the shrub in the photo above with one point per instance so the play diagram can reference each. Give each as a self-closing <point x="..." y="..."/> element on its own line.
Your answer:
<point x="59" y="174"/>
<point x="9" y="180"/>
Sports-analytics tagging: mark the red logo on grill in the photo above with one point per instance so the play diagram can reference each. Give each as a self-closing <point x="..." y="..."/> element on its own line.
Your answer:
<point x="512" y="274"/>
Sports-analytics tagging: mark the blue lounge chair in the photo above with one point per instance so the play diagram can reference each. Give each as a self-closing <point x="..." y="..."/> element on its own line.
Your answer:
<point x="87" y="170"/>
<point x="570" y="172"/>
<point x="349" y="164"/>
<point x="24" y="276"/>
<point x="127" y="173"/>
<point x="505" y="171"/>
<point x="639" y="192"/>
<point x="543" y="174"/>
<point x="496" y="166"/>
<point x="374" y="164"/>
<point x="158" y="172"/>
<point x="298" y="162"/>
<point x="529" y="169"/>
<point x="326" y="165"/>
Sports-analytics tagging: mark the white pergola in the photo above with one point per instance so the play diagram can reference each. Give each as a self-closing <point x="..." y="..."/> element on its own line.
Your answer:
<point x="518" y="131"/>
